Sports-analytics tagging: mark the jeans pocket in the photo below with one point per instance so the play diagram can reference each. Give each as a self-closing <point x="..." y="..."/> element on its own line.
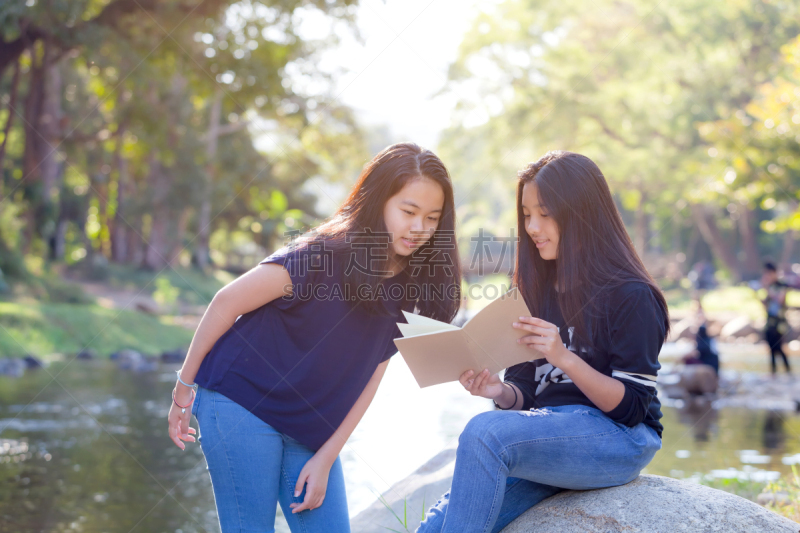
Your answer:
<point x="602" y="416"/>
<point x="196" y="401"/>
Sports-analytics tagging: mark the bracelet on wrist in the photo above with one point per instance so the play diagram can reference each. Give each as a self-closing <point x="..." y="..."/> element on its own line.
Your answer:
<point x="192" y="386"/>
<point x="183" y="407"/>
<point x="516" y="397"/>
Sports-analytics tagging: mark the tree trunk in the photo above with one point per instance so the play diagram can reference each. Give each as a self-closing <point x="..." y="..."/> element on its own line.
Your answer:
<point x="204" y="219"/>
<point x="174" y="256"/>
<point x="49" y="125"/>
<point x="788" y="243"/>
<point x="12" y="110"/>
<point x="154" y="257"/>
<point x="711" y="234"/>
<point x="677" y="226"/>
<point x="640" y="224"/>
<point x="134" y="245"/>
<point x="691" y="248"/>
<point x="31" y="150"/>
<point x="50" y="129"/>
<point x="752" y="259"/>
<point x="117" y="230"/>
<point x="59" y="239"/>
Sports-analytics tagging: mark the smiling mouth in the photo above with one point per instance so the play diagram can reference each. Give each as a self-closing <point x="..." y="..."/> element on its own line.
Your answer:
<point x="540" y="243"/>
<point x="410" y="243"/>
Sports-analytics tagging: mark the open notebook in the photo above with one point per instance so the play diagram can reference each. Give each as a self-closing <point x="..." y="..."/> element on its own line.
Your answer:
<point x="437" y="352"/>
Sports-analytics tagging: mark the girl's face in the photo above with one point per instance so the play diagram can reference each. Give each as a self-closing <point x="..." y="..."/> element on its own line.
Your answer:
<point x="412" y="215"/>
<point x="541" y="228"/>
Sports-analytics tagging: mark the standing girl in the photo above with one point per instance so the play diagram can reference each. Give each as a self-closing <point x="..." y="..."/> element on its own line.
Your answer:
<point x="775" y="304"/>
<point x="280" y="388"/>
<point x="586" y="416"/>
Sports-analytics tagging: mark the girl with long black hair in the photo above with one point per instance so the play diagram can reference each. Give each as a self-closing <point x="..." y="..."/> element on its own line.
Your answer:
<point x="288" y="357"/>
<point x="587" y="415"/>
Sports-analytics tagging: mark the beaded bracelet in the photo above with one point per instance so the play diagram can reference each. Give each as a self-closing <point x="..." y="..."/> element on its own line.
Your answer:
<point x="514" y="389"/>
<point x="192" y="386"/>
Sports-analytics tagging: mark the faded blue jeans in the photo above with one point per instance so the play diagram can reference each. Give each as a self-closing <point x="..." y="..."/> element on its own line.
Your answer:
<point x="253" y="467"/>
<point x="508" y="461"/>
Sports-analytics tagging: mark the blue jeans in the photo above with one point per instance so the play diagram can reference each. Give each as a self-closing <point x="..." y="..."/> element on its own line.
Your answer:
<point x="508" y="461"/>
<point x="253" y="467"/>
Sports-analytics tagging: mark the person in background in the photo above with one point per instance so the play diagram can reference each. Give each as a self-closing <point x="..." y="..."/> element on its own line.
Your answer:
<point x="706" y="352"/>
<point x="775" y="304"/>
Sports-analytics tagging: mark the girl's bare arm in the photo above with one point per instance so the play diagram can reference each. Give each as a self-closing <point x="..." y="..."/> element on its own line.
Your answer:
<point x="250" y="291"/>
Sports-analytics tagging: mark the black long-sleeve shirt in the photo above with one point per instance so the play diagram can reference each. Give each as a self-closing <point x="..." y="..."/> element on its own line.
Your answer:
<point x="626" y="342"/>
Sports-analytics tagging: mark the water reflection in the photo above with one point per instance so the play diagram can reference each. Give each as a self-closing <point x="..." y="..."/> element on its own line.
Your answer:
<point x="732" y="443"/>
<point x="89" y="452"/>
<point x="774" y="436"/>
<point x="699" y="415"/>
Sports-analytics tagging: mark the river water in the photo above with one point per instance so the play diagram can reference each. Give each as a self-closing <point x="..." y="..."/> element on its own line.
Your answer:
<point x="83" y="447"/>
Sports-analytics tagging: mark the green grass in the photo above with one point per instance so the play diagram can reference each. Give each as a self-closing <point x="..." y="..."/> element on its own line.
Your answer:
<point x="404" y="523"/>
<point x="791" y="486"/>
<point x="194" y="287"/>
<point x="746" y="489"/>
<point x="740" y="299"/>
<point x="43" y="329"/>
<point x="751" y="489"/>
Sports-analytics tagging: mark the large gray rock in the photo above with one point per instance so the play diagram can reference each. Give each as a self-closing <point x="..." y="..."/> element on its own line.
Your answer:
<point x="699" y="379"/>
<point x="410" y="496"/>
<point x="650" y="504"/>
<point x="741" y="326"/>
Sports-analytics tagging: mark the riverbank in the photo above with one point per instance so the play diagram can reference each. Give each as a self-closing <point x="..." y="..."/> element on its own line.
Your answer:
<point x="58" y="314"/>
<point x="51" y="331"/>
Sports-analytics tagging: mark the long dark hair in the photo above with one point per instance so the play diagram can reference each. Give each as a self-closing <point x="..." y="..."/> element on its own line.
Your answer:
<point x="595" y="253"/>
<point x="360" y="219"/>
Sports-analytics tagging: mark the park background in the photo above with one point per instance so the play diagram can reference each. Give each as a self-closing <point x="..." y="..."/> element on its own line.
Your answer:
<point x="151" y="151"/>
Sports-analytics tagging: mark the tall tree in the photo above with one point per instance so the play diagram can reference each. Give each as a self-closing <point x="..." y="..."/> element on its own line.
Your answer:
<point x="625" y="82"/>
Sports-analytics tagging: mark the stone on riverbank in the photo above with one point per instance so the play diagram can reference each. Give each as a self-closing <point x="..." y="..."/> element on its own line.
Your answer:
<point x="177" y="355"/>
<point x="650" y="504"/>
<point x="32" y="362"/>
<point x="86" y="354"/>
<point x="133" y="360"/>
<point x="12" y="367"/>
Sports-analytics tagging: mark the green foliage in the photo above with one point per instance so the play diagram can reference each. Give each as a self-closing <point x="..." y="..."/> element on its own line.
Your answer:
<point x="138" y="85"/>
<point x="626" y="83"/>
<point x="790" y="487"/>
<point x="46" y="328"/>
<point x="745" y="488"/>
<point x="165" y="294"/>
<point x="758" y="154"/>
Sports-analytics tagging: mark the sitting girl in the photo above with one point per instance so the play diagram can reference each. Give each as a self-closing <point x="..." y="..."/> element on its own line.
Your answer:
<point x="586" y="416"/>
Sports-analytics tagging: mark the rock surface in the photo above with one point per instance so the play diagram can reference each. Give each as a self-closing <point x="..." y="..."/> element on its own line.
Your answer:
<point x="426" y="484"/>
<point x="650" y="504"/>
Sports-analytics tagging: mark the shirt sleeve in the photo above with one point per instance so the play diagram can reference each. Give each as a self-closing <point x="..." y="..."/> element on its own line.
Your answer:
<point x="636" y="337"/>
<point x="306" y="268"/>
<point x="391" y="349"/>
<point x="522" y="375"/>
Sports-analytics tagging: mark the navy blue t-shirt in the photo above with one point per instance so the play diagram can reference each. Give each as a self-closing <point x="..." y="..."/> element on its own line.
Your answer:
<point x="299" y="363"/>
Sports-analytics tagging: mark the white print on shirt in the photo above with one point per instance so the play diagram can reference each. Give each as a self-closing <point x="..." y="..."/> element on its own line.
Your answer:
<point x="547" y="373"/>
